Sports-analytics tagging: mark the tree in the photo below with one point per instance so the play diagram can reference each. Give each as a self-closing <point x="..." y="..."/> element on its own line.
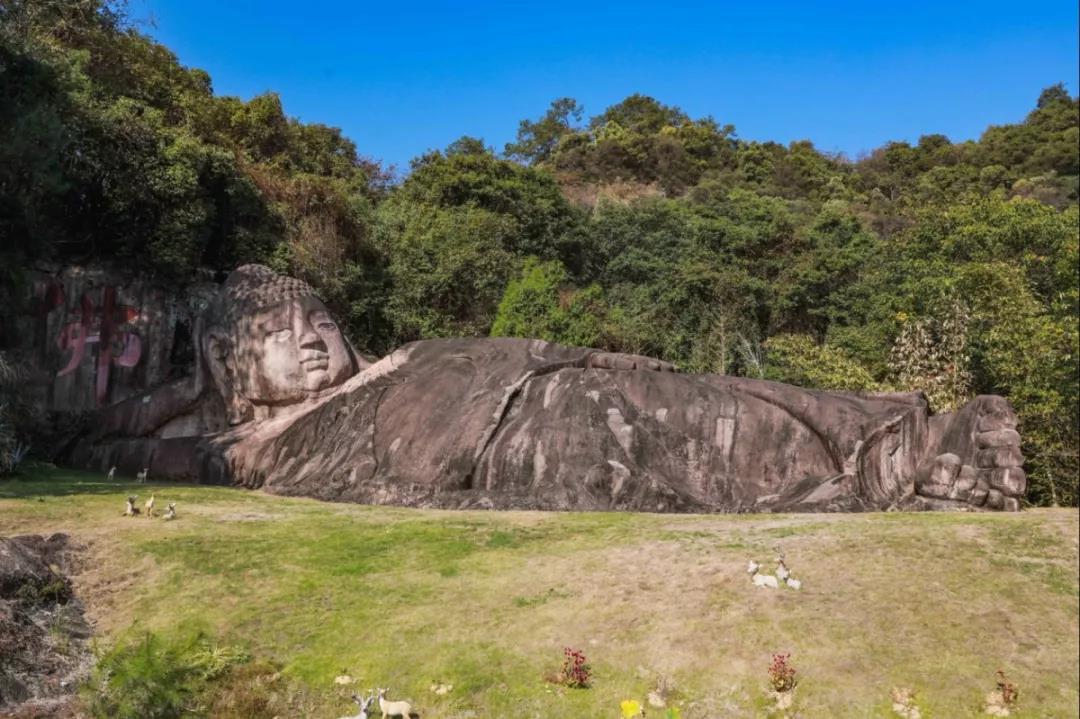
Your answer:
<point x="536" y="141"/>
<point x="448" y="269"/>
<point x="466" y="145"/>
<point x="541" y="302"/>
<point x="932" y="355"/>
<point x="641" y="114"/>
<point x="815" y="290"/>
<point x="800" y="360"/>
<point x="527" y="196"/>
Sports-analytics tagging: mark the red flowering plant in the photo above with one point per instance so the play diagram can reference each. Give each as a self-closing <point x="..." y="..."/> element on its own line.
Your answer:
<point x="781" y="673"/>
<point x="1010" y="694"/>
<point x="575" y="669"/>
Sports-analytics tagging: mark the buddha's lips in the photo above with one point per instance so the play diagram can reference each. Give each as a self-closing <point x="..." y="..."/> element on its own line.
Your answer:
<point x="315" y="364"/>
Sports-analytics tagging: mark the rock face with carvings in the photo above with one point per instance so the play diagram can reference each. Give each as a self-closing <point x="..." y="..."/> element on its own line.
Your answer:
<point x="96" y="335"/>
<point x="280" y="402"/>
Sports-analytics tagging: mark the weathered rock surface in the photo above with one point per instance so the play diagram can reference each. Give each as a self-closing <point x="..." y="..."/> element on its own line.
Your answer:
<point x="94" y="335"/>
<point x="43" y="653"/>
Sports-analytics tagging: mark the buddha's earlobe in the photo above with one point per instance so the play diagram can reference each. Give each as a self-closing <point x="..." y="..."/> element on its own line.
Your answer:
<point x="221" y="362"/>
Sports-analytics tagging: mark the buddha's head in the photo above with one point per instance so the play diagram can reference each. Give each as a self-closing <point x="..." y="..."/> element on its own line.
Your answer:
<point x="269" y="342"/>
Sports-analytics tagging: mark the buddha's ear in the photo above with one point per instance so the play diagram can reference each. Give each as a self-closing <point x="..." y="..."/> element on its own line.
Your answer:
<point x="219" y="358"/>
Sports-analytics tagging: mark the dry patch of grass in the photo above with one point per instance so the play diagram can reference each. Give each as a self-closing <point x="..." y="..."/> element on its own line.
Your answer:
<point x="486" y="601"/>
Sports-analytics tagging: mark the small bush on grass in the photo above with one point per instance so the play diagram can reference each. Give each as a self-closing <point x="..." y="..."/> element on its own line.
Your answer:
<point x="153" y="678"/>
<point x="1010" y="694"/>
<point x="576" y="671"/>
<point x="1002" y="701"/>
<point x="782" y="674"/>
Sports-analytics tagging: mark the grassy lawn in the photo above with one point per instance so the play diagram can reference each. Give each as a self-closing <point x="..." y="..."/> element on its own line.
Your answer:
<point x="486" y="601"/>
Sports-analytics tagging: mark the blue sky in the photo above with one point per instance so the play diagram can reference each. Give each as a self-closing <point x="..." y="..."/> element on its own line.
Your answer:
<point x="401" y="78"/>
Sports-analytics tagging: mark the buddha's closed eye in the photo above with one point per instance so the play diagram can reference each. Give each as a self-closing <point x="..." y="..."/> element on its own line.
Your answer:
<point x="279" y="335"/>
<point x="322" y="321"/>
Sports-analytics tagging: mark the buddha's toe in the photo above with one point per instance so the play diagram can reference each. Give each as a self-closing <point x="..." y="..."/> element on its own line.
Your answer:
<point x="1000" y="462"/>
<point x="990" y="476"/>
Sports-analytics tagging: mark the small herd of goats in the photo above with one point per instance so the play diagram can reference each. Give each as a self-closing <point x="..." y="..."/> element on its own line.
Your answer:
<point x="130" y="510"/>
<point x="783" y="575"/>
<point x="388" y="708"/>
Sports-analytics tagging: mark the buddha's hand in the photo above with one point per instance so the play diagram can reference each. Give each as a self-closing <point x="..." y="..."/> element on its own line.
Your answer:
<point x="620" y="360"/>
<point x="991" y="476"/>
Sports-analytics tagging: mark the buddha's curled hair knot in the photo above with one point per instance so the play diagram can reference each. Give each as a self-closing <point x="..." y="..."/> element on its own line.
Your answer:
<point x="251" y="288"/>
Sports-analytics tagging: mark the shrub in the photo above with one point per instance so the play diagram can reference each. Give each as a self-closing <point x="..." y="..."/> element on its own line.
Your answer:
<point x="799" y="360"/>
<point x="932" y="354"/>
<point x="1010" y="693"/>
<point x="54" y="591"/>
<point x="576" y="671"/>
<point x="542" y="303"/>
<point x="781" y="673"/>
<point x="151" y="678"/>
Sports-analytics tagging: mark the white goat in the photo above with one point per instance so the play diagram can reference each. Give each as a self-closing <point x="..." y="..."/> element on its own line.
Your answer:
<point x="389" y="709"/>
<point x="170" y="512"/>
<point x="765" y="580"/>
<point x="112" y="473"/>
<point x="364" y="704"/>
<point x="782" y="572"/>
<point x="150" y="507"/>
<point x="760" y="580"/>
<point x="141" y="476"/>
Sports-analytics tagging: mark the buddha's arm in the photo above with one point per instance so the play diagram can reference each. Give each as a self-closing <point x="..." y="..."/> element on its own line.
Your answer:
<point x="620" y="360"/>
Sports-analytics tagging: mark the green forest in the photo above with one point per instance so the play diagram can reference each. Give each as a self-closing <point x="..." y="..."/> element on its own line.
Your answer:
<point x="947" y="267"/>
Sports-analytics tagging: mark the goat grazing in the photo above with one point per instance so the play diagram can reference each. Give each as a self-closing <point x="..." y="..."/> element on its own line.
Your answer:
<point x="398" y="708"/>
<point x="170" y="512"/>
<point x="130" y="510"/>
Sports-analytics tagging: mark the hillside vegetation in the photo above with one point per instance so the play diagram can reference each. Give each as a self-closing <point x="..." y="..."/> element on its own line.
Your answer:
<point x="293" y="593"/>
<point x="948" y="267"/>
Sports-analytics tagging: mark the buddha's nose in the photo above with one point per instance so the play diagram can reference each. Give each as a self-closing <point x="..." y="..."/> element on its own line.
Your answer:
<point x="310" y="339"/>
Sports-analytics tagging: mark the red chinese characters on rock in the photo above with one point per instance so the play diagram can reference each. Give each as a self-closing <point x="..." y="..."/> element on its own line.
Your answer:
<point x="103" y="326"/>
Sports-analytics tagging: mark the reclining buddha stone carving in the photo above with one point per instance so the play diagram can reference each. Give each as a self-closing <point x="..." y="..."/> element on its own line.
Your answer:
<point x="280" y="401"/>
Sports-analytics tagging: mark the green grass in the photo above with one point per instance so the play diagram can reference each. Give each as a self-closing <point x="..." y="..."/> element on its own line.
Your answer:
<point x="486" y="601"/>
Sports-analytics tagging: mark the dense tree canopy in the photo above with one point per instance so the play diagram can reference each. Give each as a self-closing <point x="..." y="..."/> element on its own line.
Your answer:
<point x="937" y="266"/>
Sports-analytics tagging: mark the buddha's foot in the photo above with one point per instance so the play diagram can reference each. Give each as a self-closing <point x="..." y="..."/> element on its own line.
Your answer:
<point x="985" y="470"/>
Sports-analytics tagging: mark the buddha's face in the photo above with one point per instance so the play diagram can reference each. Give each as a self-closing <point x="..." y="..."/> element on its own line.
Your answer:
<point x="288" y="351"/>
